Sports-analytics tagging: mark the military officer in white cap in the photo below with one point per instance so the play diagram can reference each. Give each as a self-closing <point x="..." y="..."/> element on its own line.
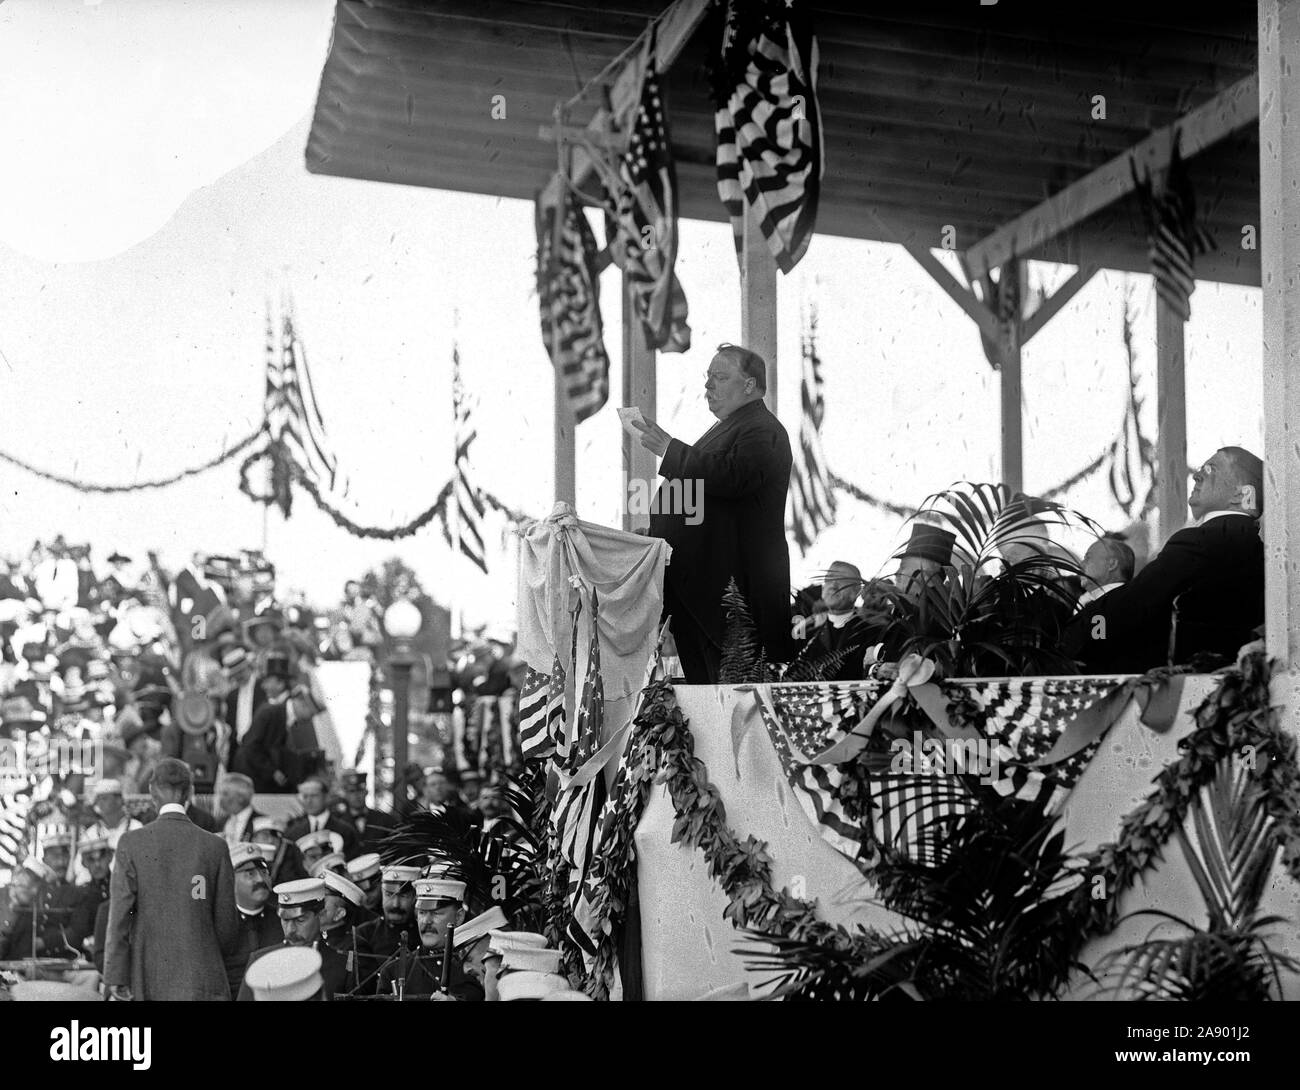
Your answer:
<point x="287" y="974"/>
<point x="286" y="860"/>
<point x="259" y="927"/>
<point x="473" y="941"/>
<point x="394" y="931"/>
<point x="299" y="907"/>
<point x="343" y="913"/>
<point x="332" y="861"/>
<point x="366" y="872"/>
<point x="439" y="908"/>
<point x="317" y="844"/>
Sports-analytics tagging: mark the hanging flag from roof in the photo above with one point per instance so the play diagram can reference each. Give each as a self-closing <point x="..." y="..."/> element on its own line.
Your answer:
<point x="641" y="211"/>
<point x="811" y="501"/>
<point x="768" y="123"/>
<point x="468" y="498"/>
<point x="1174" y="235"/>
<point x="568" y="289"/>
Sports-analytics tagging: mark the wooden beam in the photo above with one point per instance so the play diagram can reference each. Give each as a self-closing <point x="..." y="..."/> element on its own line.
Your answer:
<point x="640" y="389"/>
<point x="1171" y="411"/>
<point x="1011" y="398"/>
<point x="1056" y="302"/>
<point x="611" y="140"/>
<point x="758" y="300"/>
<point x="675" y="29"/>
<point x="1279" y="170"/>
<point x="1209" y="123"/>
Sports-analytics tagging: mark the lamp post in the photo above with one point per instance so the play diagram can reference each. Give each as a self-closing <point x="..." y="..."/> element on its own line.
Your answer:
<point x="402" y="622"/>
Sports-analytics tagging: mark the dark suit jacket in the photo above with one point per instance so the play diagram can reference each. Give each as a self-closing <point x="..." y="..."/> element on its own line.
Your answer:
<point x="744" y="464"/>
<point x="255" y="933"/>
<point x="333" y="971"/>
<point x="264" y="751"/>
<point x="424" y="977"/>
<point x="172" y="915"/>
<point x="371" y="825"/>
<point x="202" y="818"/>
<point x="1206" y="586"/>
<point x="853" y="638"/>
<point x="299" y="827"/>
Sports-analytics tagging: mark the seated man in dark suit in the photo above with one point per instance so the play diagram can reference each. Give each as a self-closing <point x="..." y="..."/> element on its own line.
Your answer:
<point x="843" y="629"/>
<point x="314" y="796"/>
<point x="1201" y="597"/>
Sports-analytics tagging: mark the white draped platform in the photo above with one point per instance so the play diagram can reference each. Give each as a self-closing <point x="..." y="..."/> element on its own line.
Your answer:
<point x="688" y="948"/>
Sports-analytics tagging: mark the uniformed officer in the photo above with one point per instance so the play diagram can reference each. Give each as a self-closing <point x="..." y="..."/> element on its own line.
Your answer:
<point x="371" y="825"/>
<point x="287" y="974"/>
<point x="529" y="973"/>
<point x="330" y="861"/>
<point x="365" y="871"/>
<point x="286" y="860"/>
<point x="315" y="845"/>
<point x="473" y="939"/>
<point x="339" y="920"/>
<point x="299" y="907"/>
<point x="97" y="857"/>
<point x="439" y="907"/>
<point x="70" y="910"/>
<point x="259" y="927"/>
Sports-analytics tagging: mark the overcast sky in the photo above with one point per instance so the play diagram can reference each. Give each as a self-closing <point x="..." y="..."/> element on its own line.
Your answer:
<point x="153" y="195"/>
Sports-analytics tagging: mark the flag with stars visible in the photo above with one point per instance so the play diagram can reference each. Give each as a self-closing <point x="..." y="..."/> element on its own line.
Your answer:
<point x="641" y="206"/>
<point x="541" y="712"/>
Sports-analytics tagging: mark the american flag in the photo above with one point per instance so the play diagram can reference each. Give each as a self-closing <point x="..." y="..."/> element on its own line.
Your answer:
<point x="642" y="199"/>
<point x="577" y="811"/>
<point x="294" y="421"/>
<point x="1028" y="716"/>
<point x="568" y="289"/>
<point x="1174" y="236"/>
<point x="769" y="124"/>
<point x="541" y="712"/>
<point x="467" y="497"/>
<point x="811" y="503"/>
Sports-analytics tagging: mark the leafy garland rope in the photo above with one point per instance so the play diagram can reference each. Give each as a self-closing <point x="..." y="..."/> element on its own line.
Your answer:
<point x="1236" y="719"/>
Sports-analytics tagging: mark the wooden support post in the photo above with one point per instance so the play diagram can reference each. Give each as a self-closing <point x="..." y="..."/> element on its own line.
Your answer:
<point x="1013" y="457"/>
<point x="639" y="390"/>
<point x="1171" y="411"/>
<point x="758" y="301"/>
<point x="1279" y="162"/>
<point x="566" y="478"/>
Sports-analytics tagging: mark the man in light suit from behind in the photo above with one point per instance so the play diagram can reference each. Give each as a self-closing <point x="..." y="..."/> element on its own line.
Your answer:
<point x="172" y="916"/>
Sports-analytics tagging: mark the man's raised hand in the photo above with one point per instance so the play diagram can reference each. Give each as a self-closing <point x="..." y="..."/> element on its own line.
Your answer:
<point x="652" y="437"/>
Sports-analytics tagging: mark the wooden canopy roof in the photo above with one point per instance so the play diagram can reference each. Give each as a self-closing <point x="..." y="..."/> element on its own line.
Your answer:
<point x="934" y="114"/>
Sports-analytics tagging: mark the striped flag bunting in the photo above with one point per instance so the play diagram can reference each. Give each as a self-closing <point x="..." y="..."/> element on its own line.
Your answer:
<point x="469" y="500"/>
<point x="641" y="220"/>
<point x="1174" y="236"/>
<point x="568" y="289"/>
<point x="15" y="834"/>
<point x="811" y="506"/>
<point x="576" y="815"/>
<point x="541" y="712"/>
<point x="768" y="124"/>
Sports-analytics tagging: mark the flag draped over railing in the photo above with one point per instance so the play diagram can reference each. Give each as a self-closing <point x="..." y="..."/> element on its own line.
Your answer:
<point x="541" y="712"/>
<point x="769" y="124"/>
<point x="1174" y="235"/>
<point x="467" y="497"/>
<point x="641" y="210"/>
<point x="812" y="502"/>
<point x="568" y="289"/>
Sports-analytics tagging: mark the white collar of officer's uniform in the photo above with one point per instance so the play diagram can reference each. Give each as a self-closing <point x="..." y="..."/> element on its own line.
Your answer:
<point x="839" y="620"/>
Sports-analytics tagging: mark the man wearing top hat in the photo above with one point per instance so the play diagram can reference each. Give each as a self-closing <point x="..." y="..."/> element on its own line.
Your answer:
<point x="438" y="910"/>
<point x="263" y="754"/>
<point x="371" y="825"/>
<point x="743" y="465"/>
<point x="299" y="907"/>
<point x="924" y="562"/>
<point x="259" y="927"/>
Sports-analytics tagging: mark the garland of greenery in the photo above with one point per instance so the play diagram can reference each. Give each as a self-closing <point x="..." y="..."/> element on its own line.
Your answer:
<point x="1235" y="719"/>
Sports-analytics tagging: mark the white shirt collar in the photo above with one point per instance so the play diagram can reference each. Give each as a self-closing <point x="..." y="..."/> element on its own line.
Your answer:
<point x="1219" y="514"/>
<point x="317" y="823"/>
<point x="839" y="620"/>
<point x="170" y="808"/>
<point x="1096" y="592"/>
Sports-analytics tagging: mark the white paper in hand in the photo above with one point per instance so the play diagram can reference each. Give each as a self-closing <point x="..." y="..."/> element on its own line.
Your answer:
<point x="627" y="416"/>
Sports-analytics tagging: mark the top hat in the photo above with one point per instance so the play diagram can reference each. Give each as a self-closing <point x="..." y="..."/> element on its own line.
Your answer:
<point x="930" y="543"/>
<point x="277" y="665"/>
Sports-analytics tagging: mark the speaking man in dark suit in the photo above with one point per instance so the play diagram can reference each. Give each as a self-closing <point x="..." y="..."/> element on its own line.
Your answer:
<point x="1203" y="594"/>
<point x="743" y="465"/>
<point x="171" y="913"/>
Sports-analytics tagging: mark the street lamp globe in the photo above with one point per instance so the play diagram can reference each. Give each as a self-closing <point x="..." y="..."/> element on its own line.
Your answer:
<point x="402" y="620"/>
